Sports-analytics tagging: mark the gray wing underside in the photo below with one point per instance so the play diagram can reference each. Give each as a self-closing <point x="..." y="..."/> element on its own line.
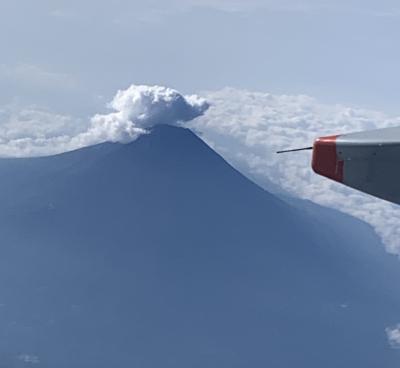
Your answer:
<point x="371" y="162"/>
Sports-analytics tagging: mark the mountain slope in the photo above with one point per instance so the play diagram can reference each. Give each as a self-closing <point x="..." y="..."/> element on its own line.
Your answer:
<point x="158" y="253"/>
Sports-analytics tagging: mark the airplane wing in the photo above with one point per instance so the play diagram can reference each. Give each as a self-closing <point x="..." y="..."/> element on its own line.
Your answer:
<point x="368" y="161"/>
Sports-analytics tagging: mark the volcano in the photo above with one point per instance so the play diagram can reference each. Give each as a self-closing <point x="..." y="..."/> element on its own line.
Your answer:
<point x="158" y="253"/>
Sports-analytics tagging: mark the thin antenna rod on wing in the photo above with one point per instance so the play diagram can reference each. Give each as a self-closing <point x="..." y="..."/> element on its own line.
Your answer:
<point x="296" y="150"/>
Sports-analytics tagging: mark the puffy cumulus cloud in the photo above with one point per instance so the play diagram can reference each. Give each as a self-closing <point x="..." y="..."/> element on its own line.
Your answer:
<point x="17" y="123"/>
<point x="248" y="128"/>
<point x="141" y="107"/>
<point x="34" y="132"/>
<point x="393" y="335"/>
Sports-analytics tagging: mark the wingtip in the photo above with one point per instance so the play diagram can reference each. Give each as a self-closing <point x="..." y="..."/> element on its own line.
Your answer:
<point x="325" y="160"/>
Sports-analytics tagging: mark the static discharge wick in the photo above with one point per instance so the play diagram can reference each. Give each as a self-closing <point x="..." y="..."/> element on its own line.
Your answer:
<point x="296" y="150"/>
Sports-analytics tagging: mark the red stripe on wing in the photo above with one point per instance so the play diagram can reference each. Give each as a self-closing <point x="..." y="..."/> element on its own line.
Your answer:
<point x="325" y="160"/>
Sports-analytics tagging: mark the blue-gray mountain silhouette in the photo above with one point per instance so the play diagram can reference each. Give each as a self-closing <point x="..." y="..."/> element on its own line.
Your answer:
<point x="159" y="254"/>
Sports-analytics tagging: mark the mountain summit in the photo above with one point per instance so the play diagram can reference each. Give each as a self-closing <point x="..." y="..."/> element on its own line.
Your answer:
<point x="158" y="253"/>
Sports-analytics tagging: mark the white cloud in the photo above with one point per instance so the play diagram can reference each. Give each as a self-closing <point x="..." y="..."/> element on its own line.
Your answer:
<point x="35" y="123"/>
<point x="248" y="128"/>
<point x="141" y="107"/>
<point x="393" y="335"/>
<point x="33" y="132"/>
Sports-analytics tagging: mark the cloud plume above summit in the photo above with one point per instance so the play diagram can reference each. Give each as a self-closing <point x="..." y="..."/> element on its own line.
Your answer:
<point x="141" y="107"/>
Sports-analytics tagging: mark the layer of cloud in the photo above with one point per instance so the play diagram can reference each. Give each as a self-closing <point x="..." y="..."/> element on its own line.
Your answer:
<point x="393" y="335"/>
<point x="248" y="128"/>
<point x="34" y="132"/>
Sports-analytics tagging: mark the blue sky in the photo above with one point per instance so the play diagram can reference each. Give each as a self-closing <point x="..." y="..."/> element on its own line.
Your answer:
<point x="72" y="56"/>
